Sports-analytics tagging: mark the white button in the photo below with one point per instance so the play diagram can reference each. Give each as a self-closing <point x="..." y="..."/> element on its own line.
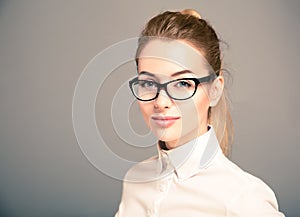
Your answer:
<point x="163" y="186"/>
<point x="149" y="213"/>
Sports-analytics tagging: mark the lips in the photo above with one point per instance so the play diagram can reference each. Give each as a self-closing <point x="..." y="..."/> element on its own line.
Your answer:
<point x="164" y="121"/>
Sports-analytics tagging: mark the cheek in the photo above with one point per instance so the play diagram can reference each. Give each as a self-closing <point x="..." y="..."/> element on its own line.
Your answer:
<point x="145" y="109"/>
<point x="201" y="99"/>
<point x="202" y="104"/>
<point x="196" y="110"/>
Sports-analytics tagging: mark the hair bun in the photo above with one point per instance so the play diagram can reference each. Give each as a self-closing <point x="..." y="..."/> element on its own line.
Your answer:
<point x="191" y="12"/>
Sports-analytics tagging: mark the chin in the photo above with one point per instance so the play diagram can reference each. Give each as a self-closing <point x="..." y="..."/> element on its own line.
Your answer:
<point x="167" y="135"/>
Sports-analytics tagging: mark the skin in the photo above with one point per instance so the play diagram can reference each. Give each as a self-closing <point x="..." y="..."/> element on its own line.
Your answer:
<point x="174" y="121"/>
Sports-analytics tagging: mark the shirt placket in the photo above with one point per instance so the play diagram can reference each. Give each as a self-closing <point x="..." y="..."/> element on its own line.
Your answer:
<point x="162" y="187"/>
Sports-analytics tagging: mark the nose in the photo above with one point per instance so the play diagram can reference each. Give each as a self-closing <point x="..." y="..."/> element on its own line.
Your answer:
<point x="163" y="100"/>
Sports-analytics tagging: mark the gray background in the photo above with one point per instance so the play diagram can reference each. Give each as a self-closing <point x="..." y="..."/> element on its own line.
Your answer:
<point x="44" y="46"/>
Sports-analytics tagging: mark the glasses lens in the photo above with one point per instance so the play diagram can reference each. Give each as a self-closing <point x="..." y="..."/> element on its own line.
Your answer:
<point x="144" y="89"/>
<point x="181" y="89"/>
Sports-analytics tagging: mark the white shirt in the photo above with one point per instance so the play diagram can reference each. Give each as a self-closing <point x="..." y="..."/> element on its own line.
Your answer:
<point x="195" y="179"/>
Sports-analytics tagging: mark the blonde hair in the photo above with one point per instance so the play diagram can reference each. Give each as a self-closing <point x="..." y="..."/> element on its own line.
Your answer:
<point x="189" y="26"/>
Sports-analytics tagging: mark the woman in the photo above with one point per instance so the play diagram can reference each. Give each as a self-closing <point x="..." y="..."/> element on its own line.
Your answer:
<point x="180" y="89"/>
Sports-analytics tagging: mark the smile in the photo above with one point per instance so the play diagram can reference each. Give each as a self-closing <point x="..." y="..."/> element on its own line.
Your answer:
<point x="164" y="121"/>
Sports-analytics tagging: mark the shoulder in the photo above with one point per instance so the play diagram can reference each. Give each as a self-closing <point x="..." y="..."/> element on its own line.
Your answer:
<point x="250" y="195"/>
<point x="238" y="175"/>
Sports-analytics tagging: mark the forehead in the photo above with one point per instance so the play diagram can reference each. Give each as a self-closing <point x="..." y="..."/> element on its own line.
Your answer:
<point x="166" y="57"/>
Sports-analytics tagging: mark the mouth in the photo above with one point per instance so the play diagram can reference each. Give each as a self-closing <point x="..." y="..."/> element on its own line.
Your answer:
<point x="164" y="121"/>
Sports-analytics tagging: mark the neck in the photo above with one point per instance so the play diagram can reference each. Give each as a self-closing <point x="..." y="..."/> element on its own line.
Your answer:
<point x="167" y="145"/>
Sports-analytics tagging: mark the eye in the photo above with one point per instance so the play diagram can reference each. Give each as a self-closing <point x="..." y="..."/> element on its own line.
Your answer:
<point x="147" y="84"/>
<point x="183" y="84"/>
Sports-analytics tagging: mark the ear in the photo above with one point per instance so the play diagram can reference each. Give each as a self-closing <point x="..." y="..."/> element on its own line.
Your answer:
<point x="216" y="90"/>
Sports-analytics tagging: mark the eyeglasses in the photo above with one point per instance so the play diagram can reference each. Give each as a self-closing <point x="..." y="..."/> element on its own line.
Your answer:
<point x="179" y="89"/>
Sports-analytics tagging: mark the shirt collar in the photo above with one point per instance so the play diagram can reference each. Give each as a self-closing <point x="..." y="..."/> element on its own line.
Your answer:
<point x="188" y="159"/>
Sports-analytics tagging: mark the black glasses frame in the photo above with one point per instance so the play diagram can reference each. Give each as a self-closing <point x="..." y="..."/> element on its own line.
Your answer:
<point x="164" y="86"/>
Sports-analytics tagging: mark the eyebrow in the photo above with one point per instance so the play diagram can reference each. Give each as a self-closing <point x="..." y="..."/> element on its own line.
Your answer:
<point x="173" y="75"/>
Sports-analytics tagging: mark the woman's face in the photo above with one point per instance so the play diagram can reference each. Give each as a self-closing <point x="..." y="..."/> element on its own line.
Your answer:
<point x="174" y="121"/>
